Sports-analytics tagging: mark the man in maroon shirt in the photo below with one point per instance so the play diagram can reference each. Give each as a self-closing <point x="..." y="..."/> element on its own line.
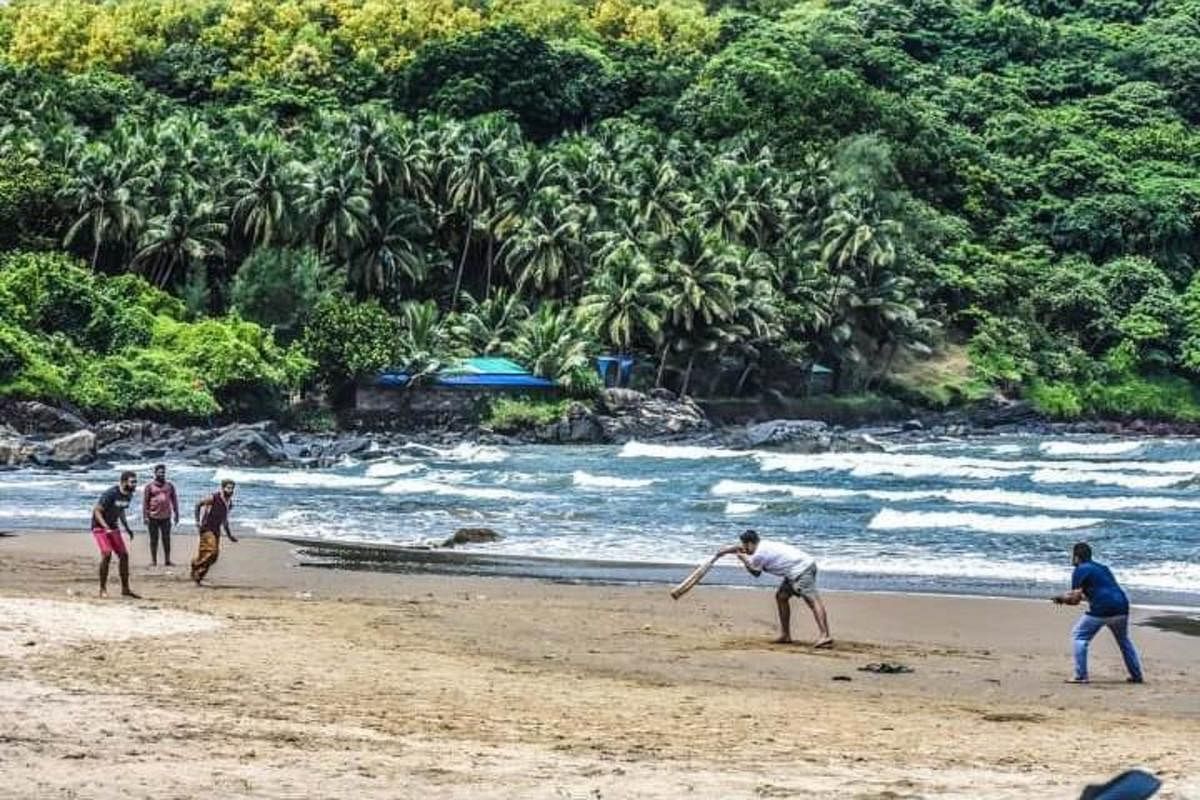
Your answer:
<point x="215" y="516"/>
<point x="160" y="505"/>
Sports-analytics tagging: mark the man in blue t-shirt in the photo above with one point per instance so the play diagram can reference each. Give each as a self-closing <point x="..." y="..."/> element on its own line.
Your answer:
<point x="1108" y="607"/>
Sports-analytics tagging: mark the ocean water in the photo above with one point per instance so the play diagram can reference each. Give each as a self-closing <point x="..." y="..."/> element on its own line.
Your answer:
<point x="988" y="516"/>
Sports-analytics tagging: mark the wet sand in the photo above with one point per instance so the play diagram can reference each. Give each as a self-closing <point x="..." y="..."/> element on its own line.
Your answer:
<point x="285" y="681"/>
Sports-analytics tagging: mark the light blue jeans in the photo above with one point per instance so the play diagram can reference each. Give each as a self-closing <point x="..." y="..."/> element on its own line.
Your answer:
<point x="1087" y="628"/>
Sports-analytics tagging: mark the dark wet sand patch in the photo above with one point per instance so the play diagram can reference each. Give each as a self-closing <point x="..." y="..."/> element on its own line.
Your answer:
<point x="1187" y="624"/>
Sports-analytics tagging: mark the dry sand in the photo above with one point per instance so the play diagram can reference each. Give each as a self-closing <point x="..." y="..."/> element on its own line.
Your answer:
<point x="287" y="682"/>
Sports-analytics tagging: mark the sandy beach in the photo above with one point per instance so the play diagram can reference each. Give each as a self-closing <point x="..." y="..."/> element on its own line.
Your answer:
<point x="283" y="681"/>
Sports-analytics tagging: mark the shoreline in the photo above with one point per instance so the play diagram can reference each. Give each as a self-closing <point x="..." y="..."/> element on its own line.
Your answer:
<point x="327" y="682"/>
<point x="386" y="558"/>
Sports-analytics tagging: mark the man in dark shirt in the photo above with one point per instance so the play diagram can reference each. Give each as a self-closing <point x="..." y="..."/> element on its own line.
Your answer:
<point x="1108" y="607"/>
<point x="212" y="514"/>
<point x="108" y="512"/>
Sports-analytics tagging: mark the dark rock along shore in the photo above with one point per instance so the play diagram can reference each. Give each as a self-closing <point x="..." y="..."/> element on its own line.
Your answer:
<point x="35" y="434"/>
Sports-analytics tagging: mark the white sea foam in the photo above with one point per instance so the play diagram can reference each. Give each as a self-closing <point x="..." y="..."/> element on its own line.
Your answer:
<point x="28" y="512"/>
<point x="979" y="497"/>
<point x="637" y="449"/>
<point x="1078" y="448"/>
<point x="739" y="509"/>
<point x="953" y="567"/>
<point x="466" y="452"/>
<point x="31" y="483"/>
<point x="1149" y="474"/>
<point x="1181" y="576"/>
<point x="727" y="488"/>
<point x="890" y="519"/>
<point x="901" y="465"/>
<point x="1101" y="478"/>
<point x="424" y="486"/>
<point x="590" y="481"/>
<point x="1056" y="502"/>
<point x="390" y="469"/>
<point x="298" y="479"/>
<point x="1006" y="449"/>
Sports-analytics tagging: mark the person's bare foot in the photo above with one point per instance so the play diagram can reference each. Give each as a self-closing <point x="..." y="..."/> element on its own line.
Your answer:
<point x="782" y="640"/>
<point x="104" y="592"/>
<point x="823" y="644"/>
<point x="130" y="593"/>
<point x="1077" y="681"/>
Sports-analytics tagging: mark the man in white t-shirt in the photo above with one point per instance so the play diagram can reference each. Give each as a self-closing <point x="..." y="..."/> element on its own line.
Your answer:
<point x="799" y="572"/>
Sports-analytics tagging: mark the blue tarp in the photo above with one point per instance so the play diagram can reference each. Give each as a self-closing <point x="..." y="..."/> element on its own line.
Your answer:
<point x="523" y="381"/>
<point x="624" y="369"/>
<point x="479" y="373"/>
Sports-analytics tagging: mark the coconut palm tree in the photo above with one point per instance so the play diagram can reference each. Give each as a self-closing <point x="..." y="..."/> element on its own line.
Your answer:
<point x="698" y="281"/>
<point x="105" y="194"/>
<point x="487" y="326"/>
<point x="390" y="249"/>
<point x="186" y="236"/>
<point x="547" y="250"/>
<point x="551" y="344"/>
<point x="261" y="195"/>
<point x="623" y="305"/>
<point x="336" y="207"/>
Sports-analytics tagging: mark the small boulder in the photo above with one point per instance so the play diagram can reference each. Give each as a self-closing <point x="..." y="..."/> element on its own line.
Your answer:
<point x="779" y="432"/>
<point x="614" y="400"/>
<point x="471" y="536"/>
<point x="74" y="448"/>
<point x="244" y="446"/>
<point x="14" y="450"/>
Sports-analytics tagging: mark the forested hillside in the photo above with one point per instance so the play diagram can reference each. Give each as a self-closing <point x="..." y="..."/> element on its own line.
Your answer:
<point x="722" y="189"/>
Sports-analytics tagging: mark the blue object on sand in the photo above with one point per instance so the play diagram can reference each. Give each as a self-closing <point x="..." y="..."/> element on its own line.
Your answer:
<point x="1135" y="784"/>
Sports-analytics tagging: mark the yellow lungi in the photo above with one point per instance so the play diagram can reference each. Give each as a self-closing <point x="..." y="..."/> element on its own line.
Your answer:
<point x="210" y="548"/>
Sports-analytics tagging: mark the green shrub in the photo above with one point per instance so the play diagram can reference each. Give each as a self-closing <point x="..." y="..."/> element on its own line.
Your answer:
<point x="1162" y="397"/>
<point x="506" y="414"/>
<point x="29" y="367"/>
<point x="347" y="340"/>
<point x="237" y="361"/>
<point x="146" y="382"/>
<point x="1056" y="400"/>
<point x="1001" y="354"/>
<point x="276" y="287"/>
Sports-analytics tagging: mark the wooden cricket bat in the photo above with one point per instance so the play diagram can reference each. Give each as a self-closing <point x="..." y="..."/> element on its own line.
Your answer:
<point x="694" y="578"/>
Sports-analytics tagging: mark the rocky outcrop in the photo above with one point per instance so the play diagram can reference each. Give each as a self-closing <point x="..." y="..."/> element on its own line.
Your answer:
<point x="242" y="446"/>
<point x="29" y="417"/>
<point x="67" y="451"/>
<point x="579" y="425"/>
<point x="471" y="536"/>
<point x="14" y="449"/>
<point x="625" y="414"/>
<point x="804" y="436"/>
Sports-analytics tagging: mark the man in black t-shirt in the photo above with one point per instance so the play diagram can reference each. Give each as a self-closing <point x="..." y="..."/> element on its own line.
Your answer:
<point x="108" y="512"/>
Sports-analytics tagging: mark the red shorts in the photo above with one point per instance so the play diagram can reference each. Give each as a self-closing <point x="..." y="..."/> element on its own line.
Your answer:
<point x="109" y="541"/>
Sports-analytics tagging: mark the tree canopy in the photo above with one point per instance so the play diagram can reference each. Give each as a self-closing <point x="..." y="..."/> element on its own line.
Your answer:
<point x="715" y="186"/>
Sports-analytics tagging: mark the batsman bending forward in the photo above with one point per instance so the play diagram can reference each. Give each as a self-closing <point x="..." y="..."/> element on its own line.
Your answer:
<point x="799" y="572"/>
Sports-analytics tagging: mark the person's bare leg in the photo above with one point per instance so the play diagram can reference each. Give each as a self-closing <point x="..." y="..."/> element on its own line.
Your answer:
<point x="104" y="559"/>
<point x="782" y="599"/>
<point x="818" y="611"/>
<point x="123" y="569"/>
